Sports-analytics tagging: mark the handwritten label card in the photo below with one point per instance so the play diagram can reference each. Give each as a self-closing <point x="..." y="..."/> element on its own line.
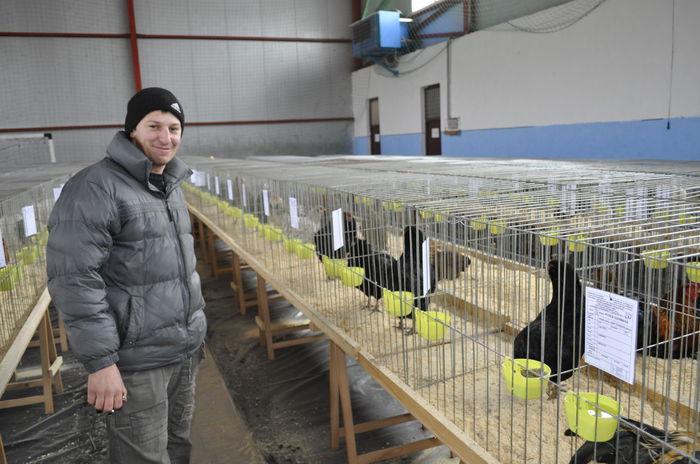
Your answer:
<point x="2" y="252"/>
<point x="243" y="196"/>
<point x="425" y="250"/>
<point x="611" y="333"/>
<point x="229" y="186"/>
<point x="57" y="192"/>
<point x="338" y="240"/>
<point x="293" y="216"/>
<point x="29" y="220"/>
<point x="266" y="203"/>
<point x="216" y="185"/>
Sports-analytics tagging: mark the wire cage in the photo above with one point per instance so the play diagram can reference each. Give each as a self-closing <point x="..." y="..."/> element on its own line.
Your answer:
<point x="550" y="311"/>
<point x="26" y="199"/>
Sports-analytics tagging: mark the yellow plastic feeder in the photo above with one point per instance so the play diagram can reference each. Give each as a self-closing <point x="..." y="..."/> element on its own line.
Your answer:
<point x="580" y="244"/>
<point x="9" y="277"/>
<point x="273" y="234"/>
<point x="656" y="259"/>
<point x="250" y="220"/>
<point x="693" y="271"/>
<point x="290" y="244"/>
<point x="591" y="416"/>
<point x="426" y="214"/>
<point x="525" y="378"/>
<point x="351" y="276"/>
<point x="479" y="224"/>
<point x="332" y="266"/>
<point x="305" y="250"/>
<point x="398" y="304"/>
<point x="497" y="227"/>
<point x="550" y="239"/>
<point x="236" y="212"/>
<point x="431" y="325"/>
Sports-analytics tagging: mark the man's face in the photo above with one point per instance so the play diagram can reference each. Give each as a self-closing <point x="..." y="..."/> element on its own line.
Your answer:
<point x="158" y="136"/>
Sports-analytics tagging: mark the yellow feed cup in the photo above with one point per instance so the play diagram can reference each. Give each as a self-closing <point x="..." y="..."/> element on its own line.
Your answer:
<point x="525" y="378"/>
<point x="693" y="271"/>
<point x="290" y="244"/>
<point x="332" y="266"/>
<point x="250" y="220"/>
<point x="351" y="276"/>
<point x="431" y="325"/>
<point x="591" y="416"/>
<point x="305" y="250"/>
<point x="656" y="259"/>
<point x="397" y="304"/>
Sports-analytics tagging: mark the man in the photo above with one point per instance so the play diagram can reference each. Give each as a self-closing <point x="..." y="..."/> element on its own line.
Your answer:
<point x="121" y="270"/>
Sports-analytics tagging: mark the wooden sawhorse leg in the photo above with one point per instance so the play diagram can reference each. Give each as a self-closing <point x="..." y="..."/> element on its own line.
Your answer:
<point x="268" y="330"/>
<point x="244" y="299"/>
<point x="340" y="402"/>
<point x="50" y="372"/>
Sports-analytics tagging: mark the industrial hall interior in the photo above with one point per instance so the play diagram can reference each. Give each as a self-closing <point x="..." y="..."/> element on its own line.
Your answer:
<point x="350" y="231"/>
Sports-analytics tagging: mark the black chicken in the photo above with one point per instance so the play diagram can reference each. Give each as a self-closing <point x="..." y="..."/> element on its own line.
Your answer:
<point x="381" y="271"/>
<point x="323" y="238"/>
<point x="555" y="337"/>
<point x="410" y="269"/>
<point x="630" y="446"/>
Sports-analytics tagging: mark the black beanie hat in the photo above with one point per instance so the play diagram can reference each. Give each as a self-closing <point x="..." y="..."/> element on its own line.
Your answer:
<point x="151" y="99"/>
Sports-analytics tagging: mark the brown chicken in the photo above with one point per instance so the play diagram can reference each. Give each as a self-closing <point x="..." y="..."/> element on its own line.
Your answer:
<point x="678" y="321"/>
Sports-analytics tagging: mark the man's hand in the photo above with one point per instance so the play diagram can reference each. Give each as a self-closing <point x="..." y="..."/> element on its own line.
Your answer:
<point x="106" y="391"/>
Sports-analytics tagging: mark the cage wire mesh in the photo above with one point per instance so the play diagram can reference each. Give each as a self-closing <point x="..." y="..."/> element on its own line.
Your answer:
<point x="26" y="199"/>
<point x="441" y="270"/>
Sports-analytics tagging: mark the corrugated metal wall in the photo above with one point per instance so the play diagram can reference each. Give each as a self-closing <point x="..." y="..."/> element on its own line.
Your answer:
<point x="85" y="81"/>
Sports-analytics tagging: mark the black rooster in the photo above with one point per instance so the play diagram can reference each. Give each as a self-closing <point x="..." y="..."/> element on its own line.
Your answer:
<point x="323" y="238"/>
<point x="381" y="271"/>
<point x="410" y="269"/>
<point x="630" y="446"/>
<point x="555" y="337"/>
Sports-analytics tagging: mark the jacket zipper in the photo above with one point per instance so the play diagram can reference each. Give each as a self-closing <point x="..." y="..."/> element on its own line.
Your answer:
<point x="186" y="297"/>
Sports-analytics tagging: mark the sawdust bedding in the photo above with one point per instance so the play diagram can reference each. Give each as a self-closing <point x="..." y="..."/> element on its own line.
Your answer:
<point x="461" y="375"/>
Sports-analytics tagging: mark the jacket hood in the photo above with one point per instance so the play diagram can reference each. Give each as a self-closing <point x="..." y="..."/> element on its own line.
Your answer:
<point x="127" y="155"/>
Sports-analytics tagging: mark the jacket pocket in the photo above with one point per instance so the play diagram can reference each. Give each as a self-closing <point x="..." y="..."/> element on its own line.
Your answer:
<point x="136" y="316"/>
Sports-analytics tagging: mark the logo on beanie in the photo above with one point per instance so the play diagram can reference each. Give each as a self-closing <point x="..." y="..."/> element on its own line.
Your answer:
<point x="176" y="107"/>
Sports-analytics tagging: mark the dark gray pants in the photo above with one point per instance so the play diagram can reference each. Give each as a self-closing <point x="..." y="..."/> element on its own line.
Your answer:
<point x="154" y="424"/>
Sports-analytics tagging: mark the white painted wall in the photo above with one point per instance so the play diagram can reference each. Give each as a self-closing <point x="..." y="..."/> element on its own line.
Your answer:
<point x="612" y="65"/>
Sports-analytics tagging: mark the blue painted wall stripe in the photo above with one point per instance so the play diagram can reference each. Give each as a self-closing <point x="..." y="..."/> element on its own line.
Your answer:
<point x="616" y="140"/>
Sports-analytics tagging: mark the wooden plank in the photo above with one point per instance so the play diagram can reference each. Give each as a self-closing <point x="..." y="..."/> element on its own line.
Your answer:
<point x="381" y="423"/>
<point x="451" y="436"/>
<point x="396" y="451"/>
<point x="14" y="354"/>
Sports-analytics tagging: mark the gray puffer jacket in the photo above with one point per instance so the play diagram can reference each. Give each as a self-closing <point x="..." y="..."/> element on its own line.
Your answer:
<point x="121" y="264"/>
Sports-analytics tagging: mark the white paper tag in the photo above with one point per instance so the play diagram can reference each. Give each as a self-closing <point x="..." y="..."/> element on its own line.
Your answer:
<point x="216" y="185"/>
<point x="29" y="220"/>
<point x="57" y="192"/>
<point x="293" y="216"/>
<point x="229" y="186"/>
<point x="435" y="133"/>
<point x="611" y="333"/>
<point x="208" y="182"/>
<point x="201" y="179"/>
<point x="2" y="252"/>
<point x="266" y="203"/>
<point x="337" y="218"/>
<point x="243" y="195"/>
<point x="425" y="250"/>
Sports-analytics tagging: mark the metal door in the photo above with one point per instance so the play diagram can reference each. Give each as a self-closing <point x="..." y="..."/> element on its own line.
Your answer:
<point x="431" y="102"/>
<point x="374" y="137"/>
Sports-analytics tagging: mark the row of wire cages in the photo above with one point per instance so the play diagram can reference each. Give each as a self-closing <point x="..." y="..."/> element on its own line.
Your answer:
<point x="24" y="214"/>
<point x="551" y="321"/>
